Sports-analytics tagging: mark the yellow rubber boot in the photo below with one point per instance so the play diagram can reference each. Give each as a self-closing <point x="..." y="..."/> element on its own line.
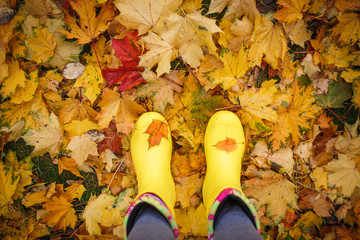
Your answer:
<point x="224" y="167"/>
<point x="152" y="165"/>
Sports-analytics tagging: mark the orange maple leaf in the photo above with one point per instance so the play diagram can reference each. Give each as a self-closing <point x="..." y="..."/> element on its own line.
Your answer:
<point x="157" y="129"/>
<point x="228" y="145"/>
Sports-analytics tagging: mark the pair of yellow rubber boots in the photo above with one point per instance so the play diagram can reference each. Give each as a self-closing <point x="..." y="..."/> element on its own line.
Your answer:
<point x="156" y="185"/>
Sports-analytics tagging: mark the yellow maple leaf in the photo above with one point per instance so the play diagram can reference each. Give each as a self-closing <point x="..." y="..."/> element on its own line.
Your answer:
<point x="348" y="28"/>
<point x="69" y="164"/>
<point x="81" y="147"/>
<point x="234" y="68"/>
<point x="235" y="9"/>
<point x="48" y="139"/>
<point x="192" y="220"/>
<point x="207" y="65"/>
<point x="276" y="192"/>
<point x="319" y="177"/>
<point x="62" y="214"/>
<point x="75" y="109"/>
<point x="28" y="92"/>
<point x="255" y="106"/>
<point x="23" y="169"/>
<point x="350" y="75"/>
<point x="343" y="5"/>
<point x="160" y="53"/>
<point x="15" y="79"/>
<point x="269" y="40"/>
<point x="74" y="191"/>
<point x="344" y="174"/>
<point x="93" y="213"/>
<point x="91" y="25"/>
<point x="186" y="187"/>
<point x="338" y="55"/>
<point x="298" y="32"/>
<point x="143" y="16"/>
<point x="188" y="33"/>
<point x="294" y="115"/>
<point x="121" y="108"/>
<point x="292" y="10"/>
<point x="8" y="185"/>
<point x="77" y="128"/>
<point x="43" y="44"/>
<point x="158" y="90"/>
<point x="89" y="81"/>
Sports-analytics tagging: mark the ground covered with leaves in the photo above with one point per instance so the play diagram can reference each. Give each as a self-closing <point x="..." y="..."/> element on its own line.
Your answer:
<point x="75" y="75"/>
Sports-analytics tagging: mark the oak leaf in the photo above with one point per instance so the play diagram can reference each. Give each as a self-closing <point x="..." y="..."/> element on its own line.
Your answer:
<point x="143" y="16"/>
<point x="276" y="192"/>
<point x="157" y="130"/>
<point x="269" y="40"/>
<point x="91" y="25"/>
<point x="344" y="174"/>
<point x="81" y="147"/>
<point x="292" y="10"/>
<point x="123" y="109"/>
<point x="228" y="145"/>
<point x="89" y="82"/>
<point x="43" y="44"/>
<point x="235" y="67"/>
<point x="48" y="139"/>
<point x="62" y="214"/>
<point x="348" y="28"/>
<point x="69" y="164"/>
<point x="158" y="89"/>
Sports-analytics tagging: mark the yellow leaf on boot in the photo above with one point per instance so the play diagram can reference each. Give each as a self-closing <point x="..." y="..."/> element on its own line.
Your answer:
<point x="62" y="214"/>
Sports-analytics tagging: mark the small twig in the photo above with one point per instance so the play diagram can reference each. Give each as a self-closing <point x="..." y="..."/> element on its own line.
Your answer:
<point x="309" y="51"/>
<point x="189" y="68"/>
<point x="117" y="169"/>
<point x="225" y="108"/>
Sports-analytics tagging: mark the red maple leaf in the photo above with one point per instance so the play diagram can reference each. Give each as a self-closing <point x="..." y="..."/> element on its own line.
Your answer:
<point x="128" y="75"/>
<point x="157" y="129"/>
<point x="228" y="145"/>
<point x="112" y="140"/>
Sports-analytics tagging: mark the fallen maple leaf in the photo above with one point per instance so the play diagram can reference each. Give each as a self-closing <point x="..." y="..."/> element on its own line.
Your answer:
<point x="186" y="187"/>
<point x="16" y="78"/>
<point x="61" y="213"/>
<point x="292" y="10"/>
<point x="158" y="90"/>
<point x="235" y="67"/>
<point x="157" y="130"/>
<point x="228" y="145"/>
<point x="112" y="139"/>
<point x="276" y="192"/>
<point x="81" y="147"/>
<point x="143" y="16"/>
<point x="348" y="28"/>
<point x="8" y="182"/>
<point x="269" y="40"/>
<point x="43" y="44"/>
<point x="75" y="109"/>
<point x="344" y="174"/>
<point x="89" y="82"/>
<point x="123" y="109"/>
<point x="48" y="139"/>
<point x="338" y="92"/>
<point x="78" y="128"/>
<point x="69" y="164"/>
<point x="91" y="25"/>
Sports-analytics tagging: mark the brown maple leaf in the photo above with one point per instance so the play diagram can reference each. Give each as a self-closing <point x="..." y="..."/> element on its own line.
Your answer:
<point x="228" y="145"/>
<point x="157" y="129"/>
